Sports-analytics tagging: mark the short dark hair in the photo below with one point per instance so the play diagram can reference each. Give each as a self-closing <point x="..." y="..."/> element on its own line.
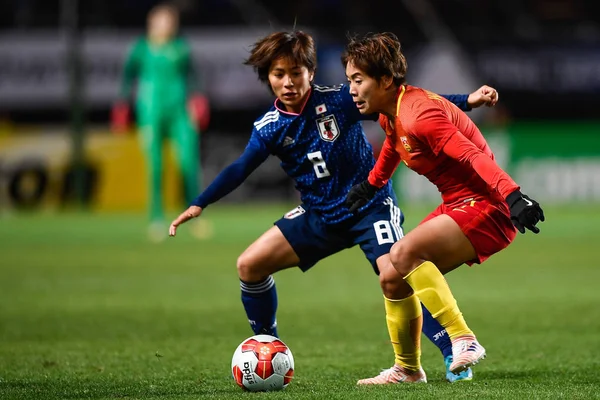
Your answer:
<point x="378" y="55"/>
<point x="297" y="46"/>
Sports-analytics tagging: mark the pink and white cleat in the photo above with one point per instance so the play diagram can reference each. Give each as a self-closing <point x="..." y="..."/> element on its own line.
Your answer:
<point x="466" y="352"/>
<point x="396" y="374"/>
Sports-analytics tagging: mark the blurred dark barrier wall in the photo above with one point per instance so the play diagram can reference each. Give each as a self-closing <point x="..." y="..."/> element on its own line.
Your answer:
<point x="563" y="80"/>
<point x="34" y="74"/>
<point x="544" y="81"/>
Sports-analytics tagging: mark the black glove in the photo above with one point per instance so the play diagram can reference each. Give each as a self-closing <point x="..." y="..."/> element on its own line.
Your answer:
<point x="524" y="211"/>
<point x="359" y="195"/>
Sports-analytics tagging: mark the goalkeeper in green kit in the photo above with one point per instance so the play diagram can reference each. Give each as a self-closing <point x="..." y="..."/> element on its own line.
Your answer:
<point x="168" y="104"/>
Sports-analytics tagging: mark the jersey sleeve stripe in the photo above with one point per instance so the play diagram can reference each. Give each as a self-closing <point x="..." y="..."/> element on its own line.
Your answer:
<point x="267" y="119"/>
<point x="327" y="88"/>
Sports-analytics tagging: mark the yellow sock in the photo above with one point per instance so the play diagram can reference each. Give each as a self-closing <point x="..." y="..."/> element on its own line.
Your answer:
<point x="431" y="287"/>
<point x="404" y="321"/>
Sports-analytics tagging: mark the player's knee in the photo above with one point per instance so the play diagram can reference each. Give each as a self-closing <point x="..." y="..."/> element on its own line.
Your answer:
<point x="251" y="269"/>
<point x="246" y="268"/>
<point x="393" y="286"/>
<point x="403" y="256"/>
<point x="390" y="284"/>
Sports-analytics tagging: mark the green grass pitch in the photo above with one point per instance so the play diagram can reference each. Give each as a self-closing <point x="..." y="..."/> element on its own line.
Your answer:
<point x="90" y="310"/>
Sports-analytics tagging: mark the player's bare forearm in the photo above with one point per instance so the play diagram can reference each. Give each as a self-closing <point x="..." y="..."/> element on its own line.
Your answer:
<point x="190" y="213"/>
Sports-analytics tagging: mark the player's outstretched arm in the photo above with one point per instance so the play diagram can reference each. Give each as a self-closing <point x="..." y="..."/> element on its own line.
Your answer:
<point x="227" y="181"/>
<point x="525" y="213"/>
<point x="443" y="137"/>
<point x="484" y="96"/>
<point x="191" y="212"/>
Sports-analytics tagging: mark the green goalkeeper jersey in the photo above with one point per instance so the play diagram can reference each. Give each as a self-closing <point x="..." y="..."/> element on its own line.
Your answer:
<point x="164" y="74"/>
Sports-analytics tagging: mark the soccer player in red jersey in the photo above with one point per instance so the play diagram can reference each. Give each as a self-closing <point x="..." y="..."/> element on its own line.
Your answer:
<point x="481" y="204"/>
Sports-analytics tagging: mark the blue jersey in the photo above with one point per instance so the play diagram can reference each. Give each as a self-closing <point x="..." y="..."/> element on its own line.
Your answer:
<point x="323" y="149"/>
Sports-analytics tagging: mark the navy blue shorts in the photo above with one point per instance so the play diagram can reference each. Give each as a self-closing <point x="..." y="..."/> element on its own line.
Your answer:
<point x="375" y="230"/>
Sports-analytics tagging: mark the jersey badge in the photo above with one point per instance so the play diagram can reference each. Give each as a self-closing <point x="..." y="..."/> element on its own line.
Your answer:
<point x="328" y="128"/>
<point x="320" y="109"/>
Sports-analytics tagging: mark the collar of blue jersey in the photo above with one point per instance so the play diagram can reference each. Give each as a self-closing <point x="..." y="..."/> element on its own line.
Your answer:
<point x="282" y="109"/>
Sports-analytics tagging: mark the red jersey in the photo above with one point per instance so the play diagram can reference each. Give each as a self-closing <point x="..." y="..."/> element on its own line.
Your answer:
<point x="436" y="139"/>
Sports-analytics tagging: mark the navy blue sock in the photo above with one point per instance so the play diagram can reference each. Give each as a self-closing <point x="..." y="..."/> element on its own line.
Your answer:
<point x="260" y="303"/>
<point x="436" y="333"/>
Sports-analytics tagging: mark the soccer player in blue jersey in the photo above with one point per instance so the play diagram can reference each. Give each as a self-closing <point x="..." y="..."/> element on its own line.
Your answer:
<point x="317" y="134"/>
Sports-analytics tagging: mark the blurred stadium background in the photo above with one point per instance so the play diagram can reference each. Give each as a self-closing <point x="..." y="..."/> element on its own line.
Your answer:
<point x="90" y="309"/>
<point x="541" y="55"/>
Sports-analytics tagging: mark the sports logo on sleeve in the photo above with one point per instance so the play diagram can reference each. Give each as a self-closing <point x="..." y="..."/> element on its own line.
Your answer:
<point x="288" y="141"/>
<point x="433" y="96"/>
<point x="328" y="128"/>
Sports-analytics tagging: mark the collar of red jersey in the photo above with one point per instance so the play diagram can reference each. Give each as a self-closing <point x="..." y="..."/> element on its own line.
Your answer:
<point x="401" y="91"/>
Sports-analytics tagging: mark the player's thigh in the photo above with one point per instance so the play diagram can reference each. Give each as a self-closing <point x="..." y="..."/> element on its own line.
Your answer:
<point x="439" y="240"/>
<point x="270" y="253"/>
<point x="312" y="238"/>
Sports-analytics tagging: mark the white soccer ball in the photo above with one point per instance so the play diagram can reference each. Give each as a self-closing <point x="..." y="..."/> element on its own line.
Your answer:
<point x="262" y="363"/>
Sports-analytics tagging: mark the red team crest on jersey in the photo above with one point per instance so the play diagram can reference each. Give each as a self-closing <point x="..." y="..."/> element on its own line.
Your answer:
<point x="405" y="143"/>
<point x="328" y="128"/>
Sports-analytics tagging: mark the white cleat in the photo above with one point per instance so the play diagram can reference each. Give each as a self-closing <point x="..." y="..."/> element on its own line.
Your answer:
<point x="396" y="374"/>
<point x="466" y="352"/>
